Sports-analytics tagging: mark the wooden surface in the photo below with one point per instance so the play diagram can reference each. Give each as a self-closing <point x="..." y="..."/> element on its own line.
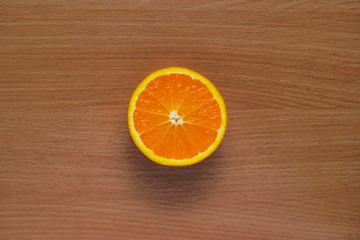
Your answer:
<point x="289" y="165"/>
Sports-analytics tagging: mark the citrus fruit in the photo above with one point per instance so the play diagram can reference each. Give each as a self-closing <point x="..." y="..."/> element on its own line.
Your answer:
<point x="176" y="117"/>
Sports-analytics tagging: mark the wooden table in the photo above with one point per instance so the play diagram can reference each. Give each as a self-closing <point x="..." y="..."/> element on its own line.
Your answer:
<point x="289" y="165"/>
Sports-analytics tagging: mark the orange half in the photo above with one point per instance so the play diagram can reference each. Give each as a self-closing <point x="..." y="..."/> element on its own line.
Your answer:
<point x="177" y="117"/>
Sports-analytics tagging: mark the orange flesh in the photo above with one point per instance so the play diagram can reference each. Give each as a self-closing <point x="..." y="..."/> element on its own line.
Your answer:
<point x="196" y="126"/>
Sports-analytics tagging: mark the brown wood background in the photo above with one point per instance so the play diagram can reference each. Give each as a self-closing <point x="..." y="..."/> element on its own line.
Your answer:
<point x="289" y="165"/>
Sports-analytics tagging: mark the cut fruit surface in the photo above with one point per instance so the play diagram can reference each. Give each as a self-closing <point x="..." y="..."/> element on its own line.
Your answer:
<point x="177" y="117"/>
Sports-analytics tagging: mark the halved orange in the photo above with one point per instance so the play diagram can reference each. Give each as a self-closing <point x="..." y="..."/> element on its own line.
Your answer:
<point x="177" y="117"/>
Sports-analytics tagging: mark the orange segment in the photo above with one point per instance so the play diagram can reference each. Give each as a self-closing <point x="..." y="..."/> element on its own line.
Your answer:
<point x="145" y="121"/>
<point x="160" y="89"/>
<point x="147" y="103"/>
<point x="201" y="137"/>
<point x="154" y="136"/>
<point x="177" y="117"/>
<point x="208" y="115"/>
<point x="166" y="147"/>
<point x="180" y="86"/>
<point x="197" y="96"/>
<point x="184" y="147"/>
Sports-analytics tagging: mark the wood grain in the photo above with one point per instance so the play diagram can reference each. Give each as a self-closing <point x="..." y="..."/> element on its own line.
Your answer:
<point x="288" y="167"/>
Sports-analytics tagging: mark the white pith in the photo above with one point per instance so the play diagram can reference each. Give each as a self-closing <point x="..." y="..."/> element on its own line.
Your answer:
<point x="175" y="118"/>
